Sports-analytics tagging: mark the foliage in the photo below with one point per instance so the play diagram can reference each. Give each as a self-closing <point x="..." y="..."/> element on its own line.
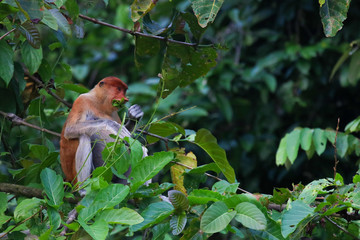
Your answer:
<point x="254" y="71"/>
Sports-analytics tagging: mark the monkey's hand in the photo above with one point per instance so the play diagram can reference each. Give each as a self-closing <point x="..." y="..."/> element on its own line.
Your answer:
<point x="135" y="115"/>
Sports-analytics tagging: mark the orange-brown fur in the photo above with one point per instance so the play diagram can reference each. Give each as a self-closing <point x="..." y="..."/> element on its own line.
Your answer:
<point x="98" y="103"/>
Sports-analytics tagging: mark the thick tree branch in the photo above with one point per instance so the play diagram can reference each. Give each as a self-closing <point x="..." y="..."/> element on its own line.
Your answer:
<point x="135" y="33"/>
<point x="341" y="228"/>
<point x="19" y="121"/>
<point x="29" y="192"/>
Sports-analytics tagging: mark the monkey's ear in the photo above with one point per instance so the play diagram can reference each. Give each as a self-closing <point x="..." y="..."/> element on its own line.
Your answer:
<point x="101" y="84"/>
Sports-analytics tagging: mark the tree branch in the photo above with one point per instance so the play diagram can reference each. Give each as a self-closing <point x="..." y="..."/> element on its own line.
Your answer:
<point x="29" y="192"/>
<point x="47" y="89"/>
<point x="341" y="228"/>
<point x="19" y="121"/>
<point x="7" y="33"/>
<point x="135" y="33"/>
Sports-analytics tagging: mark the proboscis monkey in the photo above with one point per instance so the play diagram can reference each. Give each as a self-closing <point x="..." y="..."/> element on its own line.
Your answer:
<point x="92" y="118"/>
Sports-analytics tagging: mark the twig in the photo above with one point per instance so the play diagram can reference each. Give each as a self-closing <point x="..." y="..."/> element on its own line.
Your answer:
<point x="209" y="175"/>
<point x="18" y="224"/>
<point x="174" y="113"/>
<point x="19" y="121"/>
<point x="335" y="148"/>
<point x="134" y="33"/>
<point x="7" y="33"/>
<point x="341" y="228"/>
<point x="25" y="191"/>
<point x="47" y="89"/>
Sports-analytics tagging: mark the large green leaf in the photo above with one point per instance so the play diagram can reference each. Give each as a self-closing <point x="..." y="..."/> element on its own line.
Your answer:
<point x="53" y="187"/>
<point x="61" y="21"/>
<point x="33" y="9"/>
<point x="281" y="155"/>
<point x="206" y="10"/>
<point x="153" y="214"/>
<point x="250" y="216"/>
<point x="184" y="64"/>
<point x="148" y="168"/>
<point x="306" y="138"/>
<point x="216" y="218"/>
<point x="333" y="13"/>
<point x="26" y="208"/>
<point x="178" y="222"/>
<point x="203" y="196"/>
<point x="31" y="57"/>
<point x="125" y="216"/>
<point x="112" y="195"/>
<point x="292" y="217"/>
<point x="319" y="138"/>
<point x="342" y="144"/>
<point x="98" y="231"/>
<point x="178" y="200"/>
<point x="292" y="144"/>
<point x="163" y="129"/>
<point x="139" y="8"/>
<point x="311" y="191"/>
<point x="49" y="20"/>
<point x="31" y="33"/>
<point x="54" y="217"/>
<point x="208" y="142"/>
<point x="6" y="62"/>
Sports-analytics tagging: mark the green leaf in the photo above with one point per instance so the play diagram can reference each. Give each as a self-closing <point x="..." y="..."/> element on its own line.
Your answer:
<point x="281" y="155"/>
<point x="333" y="13"/>
<point x="31" y="33"/>
<point x="32" y="8"/>
<point x="49" y="20"/>
<point x="353" y="126"/>
<point x="72" y="8"/>
<point x="26" y="208"/>
<point x="178" y="200"/>
<point x="310" y="192"/>
<point x="89" y="212"/>
<point x="53" y="187"/>
<point x="160" y="230"/>
<point x="223" y="187"/>
<point x="125" y="216"/>
<point x="178" y="222"/>
<point x="54" y="217"/>
<point x="153" y="214"/>
<point x="208" y="142"/>
<point x="75" y="87"/>
<point x="139" y="8"/>
<point x="216" y="218"/>
<point x="306" y="138"/>
<point x="203" y="196"/>
<point x="112" y="195"/>
<point x="32" y="57"/>
<point x="292" y="217"/>
<point x="61" y="21"/>
<point x="342" y="144"/>
<point x="354" y="73"/>
<point x="148" y="168"/>
<point x="292" y="144"/>
<point x="98" y="231"/>
<point x="195" y="28"/>
<point x="204" y="168"/>
<point x="6" y="62"/>
<point x="319" y="138"/>
<point x="206" y="10"/>
<point x="6" y="9"/>
<point x="182" y="65"/>
<point x="250" y="216"/>
<point x="164" y="129"/>
<point x="3" y="202"/>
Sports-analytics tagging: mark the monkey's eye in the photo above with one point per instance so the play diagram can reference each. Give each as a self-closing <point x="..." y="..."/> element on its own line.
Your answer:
<point x="101" y="84"/>
<point x="119" y="88"/>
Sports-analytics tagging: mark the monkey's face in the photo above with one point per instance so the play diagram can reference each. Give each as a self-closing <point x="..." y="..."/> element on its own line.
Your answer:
<point x="114" y="91"/>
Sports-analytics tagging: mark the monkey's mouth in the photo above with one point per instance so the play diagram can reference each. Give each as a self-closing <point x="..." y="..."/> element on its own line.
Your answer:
<point x="118" y="103"/>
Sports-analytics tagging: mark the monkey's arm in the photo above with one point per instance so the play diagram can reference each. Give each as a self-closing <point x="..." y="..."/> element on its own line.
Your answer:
<point x="91" y="127"/>
<point x="135" y="115"/>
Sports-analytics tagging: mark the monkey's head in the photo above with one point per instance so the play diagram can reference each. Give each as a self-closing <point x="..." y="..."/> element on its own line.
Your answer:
<point x="112" y="91"/>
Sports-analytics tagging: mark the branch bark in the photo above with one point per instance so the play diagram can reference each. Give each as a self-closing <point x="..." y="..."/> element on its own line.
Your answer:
<point x="135" y="33"/>
<point x="29" y="192"/>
